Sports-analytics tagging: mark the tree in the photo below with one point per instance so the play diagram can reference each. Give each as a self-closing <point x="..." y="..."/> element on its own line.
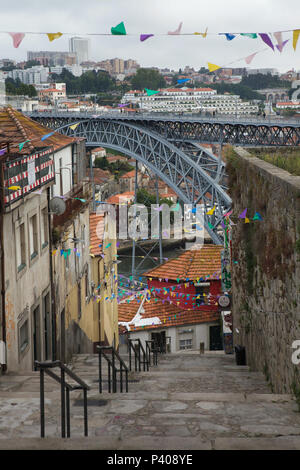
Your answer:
<point x="147" y="78"/>
<point x="101" y="163"/>
<point x="259" y="81"/>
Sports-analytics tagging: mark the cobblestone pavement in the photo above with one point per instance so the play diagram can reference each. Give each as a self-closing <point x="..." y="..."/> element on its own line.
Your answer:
<point x="188" y="401"/>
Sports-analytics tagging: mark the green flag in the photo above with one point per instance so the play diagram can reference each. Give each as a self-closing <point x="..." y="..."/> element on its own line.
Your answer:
<point x="250" y="35"/>
<point x="151" y="92"/>
<point x="119" y="29"/>
<point x="21" y="145"/>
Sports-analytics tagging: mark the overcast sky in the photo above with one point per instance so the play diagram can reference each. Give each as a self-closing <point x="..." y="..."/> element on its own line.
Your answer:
<point x="156" y="16"/>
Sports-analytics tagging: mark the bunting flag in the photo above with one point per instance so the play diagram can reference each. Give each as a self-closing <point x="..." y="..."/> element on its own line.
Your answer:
<point x="21" y="145"/>
<point x="53" y="36"/>
<point x="249" y="59"/>
<point x="143" y="37"/>
<point x="183" y="80"/>
<point x="296" y="33"/>
<point x="3" y="151"/>
<point x="213" y="67"/>
<point x="151" y="92"/>
<point x="257" y="216"/>
<point x="123" y="105"/>
<point x="14" y="188"/>
<point x="202" y="34"/>
<point x="229" y="36"/>
<point x="247" y="221"/>
<point x="47" y="135"/>
<point x="177" y="31"/>
<point x="278" y="37"/>
<point x="211" y="211"/>
<point x="17" y="38"/>
<point x="281" y="46"/>
<point x="119" y="30"/>
<point x="73" y="127"/>
<point x="266" y="39"/>
<point x="249" y="35"/>
<point x="243" y="214"/>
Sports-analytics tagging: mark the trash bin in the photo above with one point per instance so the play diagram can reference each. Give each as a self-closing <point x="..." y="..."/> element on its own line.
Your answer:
<point x="240" y="355"/>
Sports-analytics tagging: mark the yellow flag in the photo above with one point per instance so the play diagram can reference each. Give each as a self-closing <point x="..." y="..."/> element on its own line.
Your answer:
<point x="211" y="211"/>
<point x="296" y="33"/>
<point x="53" y="36"/>
<point x="212" y="67"/>
<point x="247" y="221"/>
<point x="14" y="188"/>
<point x="202" y="34"/>
<point x="74" y="126"/>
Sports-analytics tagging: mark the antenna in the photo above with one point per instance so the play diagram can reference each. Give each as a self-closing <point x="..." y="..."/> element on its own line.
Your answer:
<point x="57" y="205"/>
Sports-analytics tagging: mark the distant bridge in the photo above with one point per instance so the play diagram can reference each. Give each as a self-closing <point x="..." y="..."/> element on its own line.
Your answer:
<point x="170" y="146"/>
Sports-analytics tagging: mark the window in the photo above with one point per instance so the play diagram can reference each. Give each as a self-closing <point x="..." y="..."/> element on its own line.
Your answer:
<point x="20" y="247"/>
<point x="33" y="237"/>
<point x="44" y="227"/>
<point x="185" y="344"/>
<point x="202" y="291"/>
<point x="23" y="337"/>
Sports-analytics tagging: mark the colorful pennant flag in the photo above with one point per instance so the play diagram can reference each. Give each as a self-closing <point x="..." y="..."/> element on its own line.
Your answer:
<point x="213" y="67"/>
<point x="151" y="92"/>
<point x="266" y="39"/>
<point x="249" y="35"/>
<point x="229" y="36"/>
<point x="202" y="34"/>
<point x="211" y="211"/>
<point x="247" y="221"/>
<point x="3" y="151"/>
<point x="257" y="216"/>
<point x="281" y="46"/>
<point x="53" y="36"/>
<point x="143" y="37"/>
<point x="249" y="59"/>
<point x="47" y="135"/>
<point x="14" y="188"/>
<point x="296" y="33"/>
<point x="183" y="80"/>
<point x="73" y="127"/>
<point x="177" y="31"/>
<point x="21" y="145"/>
<point x="119" y="30"/>
<point x="243" y="214"/>
<point x="17" y="38"/>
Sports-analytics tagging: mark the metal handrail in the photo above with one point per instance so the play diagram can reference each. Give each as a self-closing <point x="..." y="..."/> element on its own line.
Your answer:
<point x="112" y="369"/>
<point x="153" y="350"/>
<point x="136" y="357"/>
<point x="66" y="388"/>
<point x="145" y="360"/>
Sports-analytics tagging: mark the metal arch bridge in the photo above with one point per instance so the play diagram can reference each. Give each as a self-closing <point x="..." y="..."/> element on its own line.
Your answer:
<point x="168" y="146"/>
<point x="182" y="168"/>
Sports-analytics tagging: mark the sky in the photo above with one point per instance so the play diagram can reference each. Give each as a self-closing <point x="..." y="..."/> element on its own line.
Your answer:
<point x="157" y="17"/>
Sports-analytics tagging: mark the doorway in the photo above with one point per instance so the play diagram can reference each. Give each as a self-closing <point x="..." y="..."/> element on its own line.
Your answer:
<point x="215" y="338"/>
<point x="159" y="341"/>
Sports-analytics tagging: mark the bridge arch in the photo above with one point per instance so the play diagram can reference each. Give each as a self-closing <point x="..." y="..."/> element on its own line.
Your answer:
<point x="178" y="170"/>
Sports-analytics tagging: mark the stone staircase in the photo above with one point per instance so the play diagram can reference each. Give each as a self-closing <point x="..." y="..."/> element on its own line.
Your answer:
<point x="188" y="401"/>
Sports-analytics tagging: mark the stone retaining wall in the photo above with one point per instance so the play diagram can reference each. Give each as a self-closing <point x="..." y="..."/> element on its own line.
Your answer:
<point x="266" y="267"/>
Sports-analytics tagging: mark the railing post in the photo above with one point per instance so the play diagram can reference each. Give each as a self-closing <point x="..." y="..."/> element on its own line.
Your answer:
<point x="63" y="404"/>
<point x="68" y="412"/>
<point x="129" y="345"/>
<point x="85" y="412"/>
<point x="42" y="402"/>
<point x="126" y="375"/>
<point x="114" y="374"/>
<point x="139" y="356"/>
<point x="121" y="377"/>
<point x="108" y="376"/>
<point x="100" y="371"/>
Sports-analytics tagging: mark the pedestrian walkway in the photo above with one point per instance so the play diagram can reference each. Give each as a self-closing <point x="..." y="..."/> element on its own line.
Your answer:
<point x="188" y="401"/>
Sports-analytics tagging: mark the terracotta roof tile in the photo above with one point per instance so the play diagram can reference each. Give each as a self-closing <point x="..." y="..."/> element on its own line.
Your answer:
<point x="17" y="128"/>
<point x="169" y="314"/>
<point x="192" y="264"/>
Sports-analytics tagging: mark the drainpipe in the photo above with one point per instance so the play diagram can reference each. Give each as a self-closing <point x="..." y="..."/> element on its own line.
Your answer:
<point x="99" y="309"/>
<point x="3" y="333"/>
<point x="52" y="287"/>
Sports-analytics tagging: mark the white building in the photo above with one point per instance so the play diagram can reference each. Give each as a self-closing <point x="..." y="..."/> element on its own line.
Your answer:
<point x="81" y="47"/>
<point x="31" y="76"/>
<point x="190" y="100"/>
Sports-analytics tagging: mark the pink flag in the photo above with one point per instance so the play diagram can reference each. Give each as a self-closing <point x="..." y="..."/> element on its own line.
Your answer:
<point x="278" y="37"/>
<point x="17" y="38"/>
<point x="177" y="31"/>
<point x="249" y="59"/>
<point x="265" y="37"/>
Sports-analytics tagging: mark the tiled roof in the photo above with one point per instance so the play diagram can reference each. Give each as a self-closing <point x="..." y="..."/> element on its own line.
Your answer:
<point x="192" y="264"/>
<point x="96" y="233"/>
<point x="128" y="195"/>
<point x="18" y="128"/>
<point x="100" y="176"/>
<point x="130" y="174"/>
<point x="169" y="314"/>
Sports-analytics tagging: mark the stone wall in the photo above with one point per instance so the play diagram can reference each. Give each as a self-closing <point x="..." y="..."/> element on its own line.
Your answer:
<point x="266" y="267"/>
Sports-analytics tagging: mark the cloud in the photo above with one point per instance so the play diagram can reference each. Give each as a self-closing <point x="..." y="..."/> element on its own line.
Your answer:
<point x="154" y="16"/>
